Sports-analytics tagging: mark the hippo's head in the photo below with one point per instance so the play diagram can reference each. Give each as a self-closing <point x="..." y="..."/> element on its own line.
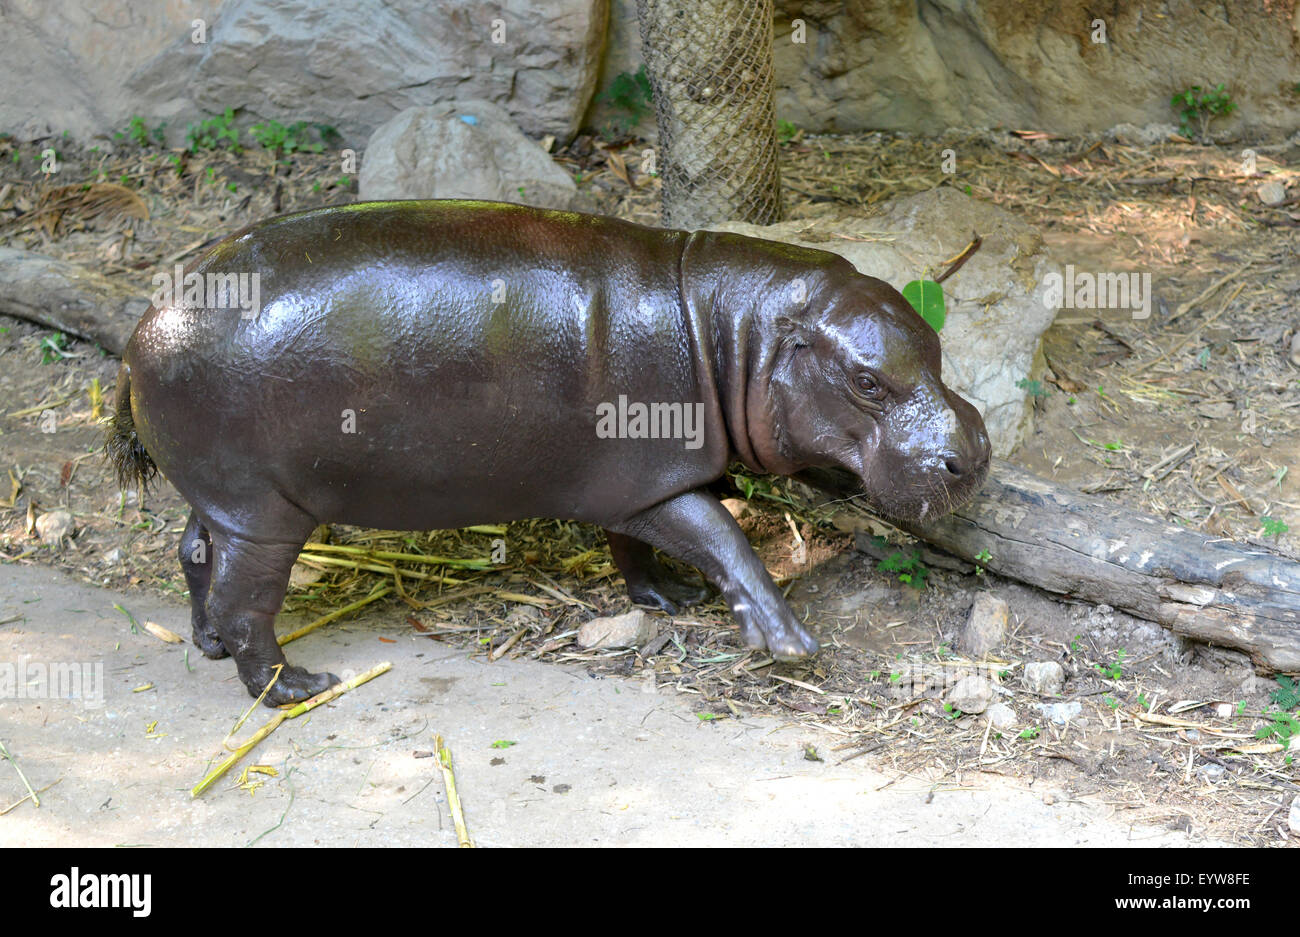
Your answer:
<point x="854" y="383"/>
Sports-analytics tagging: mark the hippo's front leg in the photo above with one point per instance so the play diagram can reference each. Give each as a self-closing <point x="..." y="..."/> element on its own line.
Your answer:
<point x="697" y="529"/>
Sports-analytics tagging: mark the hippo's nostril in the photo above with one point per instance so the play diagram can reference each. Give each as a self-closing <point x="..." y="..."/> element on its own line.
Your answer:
<point x="955" y="464"/>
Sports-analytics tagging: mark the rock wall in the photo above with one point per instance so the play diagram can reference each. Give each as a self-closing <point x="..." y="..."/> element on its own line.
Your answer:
<point x="90" y="65"/>
<point x="918" y="65"/>
<point x="926" y="65"/>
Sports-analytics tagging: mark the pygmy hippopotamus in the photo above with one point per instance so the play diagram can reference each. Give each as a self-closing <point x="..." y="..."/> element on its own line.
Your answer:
<point x="435" y="364"/>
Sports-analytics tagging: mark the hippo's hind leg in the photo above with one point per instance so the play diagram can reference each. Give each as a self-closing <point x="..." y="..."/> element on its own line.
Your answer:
<point x="649" y="582"/>
<point x="696" y="529"/>
<point x="195" y="553"/>
<point x="249" y="577"/>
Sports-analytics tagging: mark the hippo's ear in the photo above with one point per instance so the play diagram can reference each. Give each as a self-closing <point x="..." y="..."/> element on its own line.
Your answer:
<point x="793" y="331"/>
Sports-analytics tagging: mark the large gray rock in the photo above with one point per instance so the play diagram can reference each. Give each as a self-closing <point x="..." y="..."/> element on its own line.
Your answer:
<point x="469" y="150"/>
<point x="997" y="311"/>
<point x="90" y="65"/>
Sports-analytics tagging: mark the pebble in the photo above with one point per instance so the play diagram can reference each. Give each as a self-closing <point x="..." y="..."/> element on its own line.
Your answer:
<point x="986" y="626"/>
<point x="632" y="629"/>
<point x="54" y="526"/>
<point x="1046" y="678"/>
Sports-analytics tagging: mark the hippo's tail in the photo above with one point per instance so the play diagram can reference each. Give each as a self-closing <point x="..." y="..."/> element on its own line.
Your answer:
<point x="122" y="446"/>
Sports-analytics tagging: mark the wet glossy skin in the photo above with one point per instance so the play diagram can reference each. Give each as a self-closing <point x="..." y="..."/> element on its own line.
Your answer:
<point x="473" y="343"/>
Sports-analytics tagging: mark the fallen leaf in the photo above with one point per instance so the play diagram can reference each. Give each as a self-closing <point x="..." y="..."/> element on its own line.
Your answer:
<point x="162" y="634"/>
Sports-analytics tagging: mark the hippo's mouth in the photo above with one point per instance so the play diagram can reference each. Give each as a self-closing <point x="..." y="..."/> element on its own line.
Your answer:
<point x="917" y="504"/>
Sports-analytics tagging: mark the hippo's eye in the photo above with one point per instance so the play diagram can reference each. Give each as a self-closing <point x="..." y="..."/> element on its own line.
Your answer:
<point x="867" y="385"/>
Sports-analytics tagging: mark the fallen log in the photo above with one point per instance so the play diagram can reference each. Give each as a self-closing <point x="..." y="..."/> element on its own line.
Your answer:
<point x="70" y="298"/>
<point x="1218" y="591"/>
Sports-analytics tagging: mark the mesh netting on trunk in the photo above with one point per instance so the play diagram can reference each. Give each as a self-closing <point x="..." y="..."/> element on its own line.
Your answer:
<point x="710" y="66"/>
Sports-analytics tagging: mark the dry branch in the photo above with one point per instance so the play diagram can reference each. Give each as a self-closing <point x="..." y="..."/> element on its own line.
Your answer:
<point x="1213" y="590"/>
<point x="71" y="298"/>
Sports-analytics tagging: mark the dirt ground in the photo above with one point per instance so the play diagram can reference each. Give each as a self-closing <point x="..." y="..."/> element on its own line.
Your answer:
<point x="1210" y="372"/>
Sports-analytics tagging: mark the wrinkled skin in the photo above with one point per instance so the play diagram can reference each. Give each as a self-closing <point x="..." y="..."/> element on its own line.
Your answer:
<point x="473" y="408"/>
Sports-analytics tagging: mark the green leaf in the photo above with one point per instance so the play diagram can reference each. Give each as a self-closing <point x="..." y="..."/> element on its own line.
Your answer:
<point x="926" y="298"/>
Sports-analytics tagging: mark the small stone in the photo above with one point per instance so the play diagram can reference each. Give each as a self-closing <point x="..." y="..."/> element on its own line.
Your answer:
<point x="1000" y="716"/>
<point x="1060" y="713"/>
<point x="1255" y="685"/>
<point x="735" y="506"/>
<point x="53" y="527"/>
<point x="1272" y="192"/>
<point x="114" y="557"/>
<point x="1295" y="349"/>
<point x="302" y="576"/>
<point x="1210" y="772"/>
<point x="522" y="615"/>
<point x="986" y="626"/>
<point x="1293" y="817"/>
<point x="971" y="695"/>
<point x="1046" y="678"/>
<point x="632" y="629"/>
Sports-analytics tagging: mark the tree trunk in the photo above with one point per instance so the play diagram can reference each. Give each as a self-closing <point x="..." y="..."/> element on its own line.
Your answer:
<point x="710" y="67"/>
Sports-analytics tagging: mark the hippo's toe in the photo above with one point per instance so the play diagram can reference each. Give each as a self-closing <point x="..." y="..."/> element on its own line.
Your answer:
<point x="295" y="685"/>
<point x="210" y="643"/>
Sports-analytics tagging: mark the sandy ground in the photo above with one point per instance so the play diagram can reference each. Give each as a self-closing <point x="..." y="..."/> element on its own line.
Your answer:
<point x="595" y="762"/>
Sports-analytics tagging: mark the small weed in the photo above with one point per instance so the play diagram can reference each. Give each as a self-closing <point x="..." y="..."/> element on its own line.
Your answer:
<point x="54" y="348"/>
<point x="1283" y="729"/>
<point x="208" y="134"/>
<point x="1287" y="694"/>
<point x="282" y="140"/>
<point x="1113" y="671"/>
<point x="1033" y="388"/>
<point x="630" y="96"/>
<point x="1201" y="105"/>
<point x="1273" y="527"/>
<point x="983" y="556"/>
<point x="1031" y="733"/>
<point x="910" y="569"/>
<point x="786" y="131"/>
<point x="761" y="487"/>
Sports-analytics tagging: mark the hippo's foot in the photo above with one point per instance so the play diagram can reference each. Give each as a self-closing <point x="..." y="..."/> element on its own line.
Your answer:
<point x="295" y="684"/>
<point x="207" y="640"/>
<point x="696" y="529"/>
<point x="666" y="591"/>
<point x="779" y="632"/>
<point x="649" y="582"/>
